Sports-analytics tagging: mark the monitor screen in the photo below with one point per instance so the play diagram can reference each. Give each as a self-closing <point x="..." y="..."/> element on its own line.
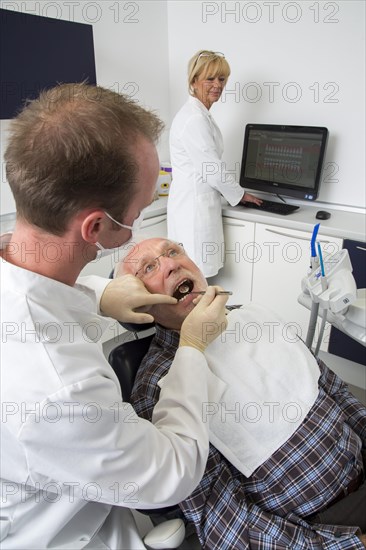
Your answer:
<point x="284" y="160"/>
<point x="38" y="53"/>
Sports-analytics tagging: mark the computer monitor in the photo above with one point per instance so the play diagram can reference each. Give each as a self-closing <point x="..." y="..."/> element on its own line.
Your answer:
<point x="283" y="160"/>
<point x="38" y="53"/>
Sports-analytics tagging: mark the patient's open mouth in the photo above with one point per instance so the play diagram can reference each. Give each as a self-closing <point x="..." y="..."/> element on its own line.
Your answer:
<point x="183" y="289"/>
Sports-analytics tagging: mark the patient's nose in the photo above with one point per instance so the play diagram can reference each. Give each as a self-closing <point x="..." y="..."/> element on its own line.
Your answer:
<point x="168" y="265"/>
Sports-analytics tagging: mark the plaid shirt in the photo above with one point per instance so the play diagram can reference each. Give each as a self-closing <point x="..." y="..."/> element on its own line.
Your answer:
<point x="268" y="509"/>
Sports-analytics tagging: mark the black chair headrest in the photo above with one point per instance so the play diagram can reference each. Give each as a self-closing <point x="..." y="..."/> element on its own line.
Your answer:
<point x="125" y="360"/>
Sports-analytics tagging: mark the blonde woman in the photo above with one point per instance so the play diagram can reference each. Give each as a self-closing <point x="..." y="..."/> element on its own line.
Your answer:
<point x="196" y="148"/>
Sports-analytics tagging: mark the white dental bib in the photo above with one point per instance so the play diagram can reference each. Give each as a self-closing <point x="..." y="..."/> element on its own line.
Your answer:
<point x="272" y="383"/>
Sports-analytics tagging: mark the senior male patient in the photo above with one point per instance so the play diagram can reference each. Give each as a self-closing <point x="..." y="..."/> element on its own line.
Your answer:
<point x="287" y="442"/>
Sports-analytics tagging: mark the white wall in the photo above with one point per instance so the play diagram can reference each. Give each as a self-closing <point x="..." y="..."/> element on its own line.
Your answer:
<point x="292" y="63"/>
<point x="131" y="51"/>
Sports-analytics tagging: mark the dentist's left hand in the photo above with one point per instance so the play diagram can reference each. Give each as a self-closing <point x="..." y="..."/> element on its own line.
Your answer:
<point x="127" y="300"/>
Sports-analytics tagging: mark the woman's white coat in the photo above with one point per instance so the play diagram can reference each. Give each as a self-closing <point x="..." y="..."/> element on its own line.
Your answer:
<point x="199" y="183"/>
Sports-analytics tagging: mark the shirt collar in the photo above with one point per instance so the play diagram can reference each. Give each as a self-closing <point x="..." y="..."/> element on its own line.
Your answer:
<point x="166" y="337"/>
<point x="198" y="104"/>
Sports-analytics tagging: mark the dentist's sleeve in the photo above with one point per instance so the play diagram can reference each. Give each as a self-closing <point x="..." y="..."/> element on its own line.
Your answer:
<point x="188" y="376"/>
<point x="131" y="461"/>
<point x="96" y="283"/>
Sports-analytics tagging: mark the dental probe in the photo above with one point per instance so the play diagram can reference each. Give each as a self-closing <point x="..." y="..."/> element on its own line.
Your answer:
<point x="228" y="292"/>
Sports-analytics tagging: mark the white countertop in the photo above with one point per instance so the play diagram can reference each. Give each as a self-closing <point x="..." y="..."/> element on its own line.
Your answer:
<point x="344" y="224"/>
<point x="347" y="225"/>
<point x="156" y="208"/>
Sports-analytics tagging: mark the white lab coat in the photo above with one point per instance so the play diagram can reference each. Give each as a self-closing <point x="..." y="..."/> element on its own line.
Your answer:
<point x="74" y="457"/>
<point x="194" y="202"/>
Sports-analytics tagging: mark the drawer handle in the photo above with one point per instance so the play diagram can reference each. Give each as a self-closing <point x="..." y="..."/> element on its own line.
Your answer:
<point x="234" y="224"/>
<point x="361" y="248"/>
<point x="292" y="236"/>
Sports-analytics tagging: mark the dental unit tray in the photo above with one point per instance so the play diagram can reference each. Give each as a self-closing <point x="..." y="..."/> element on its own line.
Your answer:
<point x="337" y="295"/>
<point x="341" y="287"/>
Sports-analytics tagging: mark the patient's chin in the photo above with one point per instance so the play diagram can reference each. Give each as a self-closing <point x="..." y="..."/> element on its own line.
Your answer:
<point x="170" y="320"/>
<point x="172" y="324"/>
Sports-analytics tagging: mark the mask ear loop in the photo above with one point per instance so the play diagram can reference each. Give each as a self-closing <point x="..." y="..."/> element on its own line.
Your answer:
<point x="133" y="228"/>
<point x="136" y="224"/>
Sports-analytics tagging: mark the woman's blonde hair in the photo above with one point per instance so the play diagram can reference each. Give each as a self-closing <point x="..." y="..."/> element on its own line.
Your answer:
<point x="206" y="63"/>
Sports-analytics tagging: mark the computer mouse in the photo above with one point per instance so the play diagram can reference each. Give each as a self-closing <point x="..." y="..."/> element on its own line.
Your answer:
<point x="322" y="215"/>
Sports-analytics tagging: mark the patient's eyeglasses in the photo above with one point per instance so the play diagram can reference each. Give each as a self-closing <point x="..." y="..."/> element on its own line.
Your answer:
<point x="150" y="266"/>
<point x="204" y="54"/>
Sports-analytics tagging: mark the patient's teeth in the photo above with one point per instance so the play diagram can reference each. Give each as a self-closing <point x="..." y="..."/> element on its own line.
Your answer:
<point x="184" y="289"/>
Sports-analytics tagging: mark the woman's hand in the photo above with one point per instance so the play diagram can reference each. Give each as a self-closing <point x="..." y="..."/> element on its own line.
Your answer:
<point x="126" y="299"/>
<point x="247" y="197"/>
<point x="206" y="321"/>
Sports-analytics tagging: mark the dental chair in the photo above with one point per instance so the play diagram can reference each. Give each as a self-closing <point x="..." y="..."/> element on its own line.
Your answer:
<point x="125" y="360"/>
<point x="169" y="531"/>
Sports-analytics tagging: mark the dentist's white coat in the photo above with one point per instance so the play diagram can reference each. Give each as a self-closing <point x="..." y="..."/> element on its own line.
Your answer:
<point x="194" y="202"/>
<point x="74" y="457"/>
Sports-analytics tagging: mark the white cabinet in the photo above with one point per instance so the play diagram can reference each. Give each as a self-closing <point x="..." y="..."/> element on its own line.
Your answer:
<point x="282" y="260"/>
<point x="265" y="264"/>
<point x="237" y="253"/>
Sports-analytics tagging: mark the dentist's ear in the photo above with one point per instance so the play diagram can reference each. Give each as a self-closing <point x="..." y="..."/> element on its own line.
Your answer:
<point x="93" y="226"/>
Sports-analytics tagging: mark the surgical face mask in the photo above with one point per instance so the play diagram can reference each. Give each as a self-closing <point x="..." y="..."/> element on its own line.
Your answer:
<point x="134" y="228"/>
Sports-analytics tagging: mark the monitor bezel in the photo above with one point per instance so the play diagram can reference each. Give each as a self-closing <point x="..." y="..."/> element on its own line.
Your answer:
<point x="280" y="188"/>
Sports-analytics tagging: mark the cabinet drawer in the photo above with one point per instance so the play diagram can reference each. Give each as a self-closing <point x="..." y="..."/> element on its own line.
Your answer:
<point x="237" y="255"/>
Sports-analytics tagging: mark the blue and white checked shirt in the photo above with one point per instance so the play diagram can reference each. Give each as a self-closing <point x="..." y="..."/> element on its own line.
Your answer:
<point x="268" y="509"/>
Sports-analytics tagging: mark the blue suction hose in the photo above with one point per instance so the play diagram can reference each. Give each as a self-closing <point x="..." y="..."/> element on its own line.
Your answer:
<point x="314" y="263"/>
